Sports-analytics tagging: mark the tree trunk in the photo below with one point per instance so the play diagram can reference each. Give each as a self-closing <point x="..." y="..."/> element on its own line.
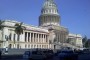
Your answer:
<point x="18" y="41"/>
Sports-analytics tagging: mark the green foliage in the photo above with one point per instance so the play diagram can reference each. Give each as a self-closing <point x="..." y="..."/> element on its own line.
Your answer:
<point x="85" y="42"/>
<point x="1" y="26"/>
<point x="19" y="28"/>
<point x="68" y="40"/>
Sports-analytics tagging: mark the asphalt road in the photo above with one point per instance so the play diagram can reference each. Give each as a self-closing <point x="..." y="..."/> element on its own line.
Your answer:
<point x="19" y="57"/>
<point x="11" y="57"/>
<point x="84" y="56"/>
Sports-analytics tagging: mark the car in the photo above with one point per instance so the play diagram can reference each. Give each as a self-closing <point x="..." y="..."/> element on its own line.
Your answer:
<point x="26" y="55"/>
<point x="67" y="55"/>
<point x="48" y="53"/>
<point x="35" y="55"/>
<point x="86" y="51"/>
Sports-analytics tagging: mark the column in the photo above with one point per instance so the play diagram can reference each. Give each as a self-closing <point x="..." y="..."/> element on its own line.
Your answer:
<point x="30" y="37"/>
<point x="27" y="37"/>
<point x="43" y="38"/>
<point x="38" y="38"/>
<point x="16" y="38"/>
<point x="23" y="37"/>
<point x="48" y="38"/>
<point x="11" y="36"/>
<point x="33" y="37"/>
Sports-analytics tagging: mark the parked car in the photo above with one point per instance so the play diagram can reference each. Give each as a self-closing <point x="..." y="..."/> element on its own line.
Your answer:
<point x="35" y="55"/>
<point x="86" y="51"/>
<point x="48" y="53"/>
<point x="26" y="55"/>
<point x="67" y="55"/>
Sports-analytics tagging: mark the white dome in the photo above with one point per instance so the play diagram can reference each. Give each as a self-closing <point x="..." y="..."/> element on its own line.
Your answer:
<point x="49" y="14"/>
<point x="49" y="7"/>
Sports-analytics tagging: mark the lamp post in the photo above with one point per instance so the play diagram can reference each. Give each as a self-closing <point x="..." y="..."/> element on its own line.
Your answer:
<point x="6" y="48"/>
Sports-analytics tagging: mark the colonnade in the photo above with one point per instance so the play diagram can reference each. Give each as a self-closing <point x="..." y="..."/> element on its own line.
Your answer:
<point x="36" y="37"/>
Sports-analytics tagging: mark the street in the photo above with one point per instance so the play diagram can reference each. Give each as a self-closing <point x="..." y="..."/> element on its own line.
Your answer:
<point x="11" y="57"/>
<point x="19" y="57"/>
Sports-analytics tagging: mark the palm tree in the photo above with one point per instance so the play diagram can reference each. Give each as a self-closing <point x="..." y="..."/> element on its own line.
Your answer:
<point x="1" y="26"/>
<point x="19" y="30"/>
<point x="85" y="41"/>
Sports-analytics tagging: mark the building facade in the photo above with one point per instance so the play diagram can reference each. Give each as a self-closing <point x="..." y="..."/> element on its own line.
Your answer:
<point x="50" y="19"/>
<point x="48" y="35"/>
<point x="32" y="37"/>
<point x="75" y="39"/>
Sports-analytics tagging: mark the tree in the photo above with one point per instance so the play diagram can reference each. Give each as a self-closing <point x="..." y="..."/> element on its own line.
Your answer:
<point x="19" y="30"/>
<point x="85" y="41"/>
<point x="68" y="40"/>
<point x="1" y="26"/>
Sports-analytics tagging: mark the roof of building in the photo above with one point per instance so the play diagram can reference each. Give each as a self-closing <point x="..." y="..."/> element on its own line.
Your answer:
<point x="11" y="23"/>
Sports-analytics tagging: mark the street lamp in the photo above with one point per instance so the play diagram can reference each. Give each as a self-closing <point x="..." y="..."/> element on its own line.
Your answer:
<point x="6" y="48"/>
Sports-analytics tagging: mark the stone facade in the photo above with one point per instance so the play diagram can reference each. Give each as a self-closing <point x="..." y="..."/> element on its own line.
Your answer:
<point x="49" y="14"/>
<point x="75" y="39"/>
<point x="50" y="19"/>
<point x="49" y="35"/>
<point x="33" y="37"/>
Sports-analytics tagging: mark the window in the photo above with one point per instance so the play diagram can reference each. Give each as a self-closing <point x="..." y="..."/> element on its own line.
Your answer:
<point x="10" y="35"/>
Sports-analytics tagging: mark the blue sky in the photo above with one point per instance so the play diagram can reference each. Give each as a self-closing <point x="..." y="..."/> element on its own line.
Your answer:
<point x="75" y="14"/>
